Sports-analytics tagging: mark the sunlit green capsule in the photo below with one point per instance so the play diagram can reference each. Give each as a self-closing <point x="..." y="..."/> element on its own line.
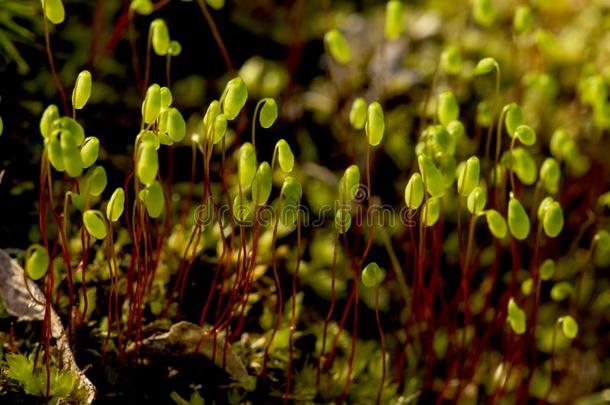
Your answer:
<point x="543" y="207"/>
<point x="151" y="107"/>
<point x="547" y="269"/>
<point x="220" y="127"/>
<point x="414" y="191"/>
<point x="451" y="60"/>
<point x="375" y="124"/>
<point x="73" y="162"/>
<point x="166" y="97"/>
<point x="337" y="46"/>
<point x="372" y="275"/>
<point x="241" y="209"/>
<point x="176" y="127"/>
<point x="485" y="66"/>
<point x="561" y="144"/>
<point x="431" y="211"/>
<point x="235" y="96"/>
<point x="268" y="113"/>
<point x="553" y="220"/>
<point x="432" y="177"/>
<point x="349" y="184"/>
<point x="456" y="129"/>
<point x="516" y="317"/>
<point x="216" y="4"/>
<point x="468" y="177"/>
<point x="518" y="221"/>
<point x="561" y="291"/>
<point x="357" y="115"/>
<point x="601" y="245"/>
<point x="148" y="163"/>
<point x="174" y="48"/>
<point x="261" y="186"/>
<point x="448" y="109"/>
<point x="550" y="174"/>
<point x="526" y="135"/>
<point x="441" y="137"/>
<point x="90" y="150"/>
<point x="37" y="262"/>
<point x="210" y="114"/>
<point x="513" y="118"/>
<point x="54" y="10"/>
<point x="48" y="120"/>
<point x="116" y="205"/>
<point x="149" y="138"/>
<point x="56" y="156"/>
<point x="1" y="126"/>
<point x="160" y="36"/>
<point x="285" y="156"/>
<point x="522" y="19"/>
<point x="94" y="224"/>
<point x="393" y="19"/>
<point x="343" y="220"/>
<point x="143" y="7"/>
<point x="569" y="326"/>
<point x="484" y="114"/>
<point x="153" y="198"/>
<point x="96" y="180"/>
<point x="524" y="165"/>
<point x="72" y="133"/>
<point x="484" y="12"/>
<point x="496" y="223"/>
<point x="477" y="200"/>
<point x="82" y="90"/>
<point x="246" y="167"/>
<point x="291" y="190"/>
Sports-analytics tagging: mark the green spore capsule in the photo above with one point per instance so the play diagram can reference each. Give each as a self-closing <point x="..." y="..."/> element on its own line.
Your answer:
<point x="349" y="184"/>
<point x="149" y="138"/>
<point x="142" y="7"/>
<point x="550" y="174"/>
<point x="82" y="90"/>
<point x="54" y="10"/>
<point x="216" y="4"/>
<point x="56" y="156"/>
<point x="72" y="133"/>
<point x="343" y="220"/>
<point x="561" y="291"/>
<point x="262" y="184"/>
<point x="96" y="181"/>
<point x="547" y="269"/>
<point x="372" y="275"/>
<point x="235" y="97"/>
<point x="246" y="167"/>
<point x="48" y="120"/>
<point x="443" y="140"/>
<point x="524" y="165"/>
<point x="522" y="20"/>
<point x="484" y="114"/>
<point x="116" y="205"/>
<point x="513" y="118"/>
<point x="220" y="128"/>
<point x="542" y="208"/>
<point x="553" y="220"/>
<point x="210" y="115"/>
<point x="431" y="211"/>
<point x="393" y="19"/>
<point x="414" y="191"/>
<point x="1" y="126"/>
<point x="477" y="200"/>
<point x="484" y="12"/>
<point x="241" y="209"/>
<point x="176" y="126"/>
<point x="468" y="176"/>
<point x="37" y="262"/>
<point x="375" y="124"/>
<point x="291" y="190"/>
<point x="569" y="327"/>
<point x="456" y="129"/>
<point x="268" y="113"/>
<point x="90" y="150"/>
<point x="337" y="46"/>
<point x="153" y="198"/>
<point x="516" y="317"/>
<point x="160" y="36"/>
<point x="151" y="107"/>
<point x="166" y="98"/>
<point x="527" y="286"/>
<point x="485" y="66"/>
<point x="174" y="48"/>
<point x="496" y="223"/>
<point x="518" y="221"/>
<point x="448" y="109"/>
<point x="285" y="156"/>
<point x="451" y="60"/>
<point x="432" y="176"/>
<point x="94" y="224"/>
<point x="357" y="114"/>
<point x="73" y="162"/>
<point x="526" y="135"/>
<point x="148" y="163"/>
